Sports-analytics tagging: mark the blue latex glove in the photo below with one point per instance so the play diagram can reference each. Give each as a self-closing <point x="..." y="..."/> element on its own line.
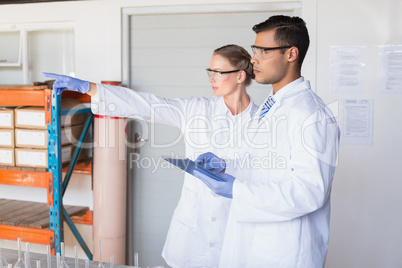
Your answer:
<point x="64" y="82"/>
<point x="223" y="188"/>
<point x="211" y="162"/>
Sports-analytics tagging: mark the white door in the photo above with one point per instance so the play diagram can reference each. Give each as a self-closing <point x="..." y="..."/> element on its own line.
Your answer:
<point x="169" y="55"/>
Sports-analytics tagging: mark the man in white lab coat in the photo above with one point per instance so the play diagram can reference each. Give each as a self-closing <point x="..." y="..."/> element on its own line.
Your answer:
<point x="280" y="209"/>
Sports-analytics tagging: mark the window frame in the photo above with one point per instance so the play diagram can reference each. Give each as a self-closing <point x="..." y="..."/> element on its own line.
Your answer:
<point x="23" y="29"/>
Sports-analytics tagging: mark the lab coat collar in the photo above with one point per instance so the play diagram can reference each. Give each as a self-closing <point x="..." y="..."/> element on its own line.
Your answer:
<point x="278" y="96"/>
<point x="285" y="92"/>
<point x="222" y="109"/>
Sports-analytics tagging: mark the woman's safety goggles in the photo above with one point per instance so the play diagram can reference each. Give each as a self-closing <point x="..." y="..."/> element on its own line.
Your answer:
<point x="219" y="76"/>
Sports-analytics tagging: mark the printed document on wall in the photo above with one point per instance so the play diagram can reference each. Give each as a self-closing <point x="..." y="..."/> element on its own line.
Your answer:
<point x="347" y="69"/>
<point x="390" y="69"/>
<point x="356" y="121"/>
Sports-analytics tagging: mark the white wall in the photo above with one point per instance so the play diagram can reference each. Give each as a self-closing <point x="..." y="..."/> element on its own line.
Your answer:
<point x="366" y="218"/>
<point x="366" y="215"/>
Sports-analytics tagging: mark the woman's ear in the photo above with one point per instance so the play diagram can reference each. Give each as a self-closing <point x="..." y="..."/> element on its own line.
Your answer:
<point x="241" y="77"/>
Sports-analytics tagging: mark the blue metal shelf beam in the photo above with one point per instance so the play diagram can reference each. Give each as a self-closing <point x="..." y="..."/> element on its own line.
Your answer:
<point x="57" y="213"/>
<point x="55" y="166"/>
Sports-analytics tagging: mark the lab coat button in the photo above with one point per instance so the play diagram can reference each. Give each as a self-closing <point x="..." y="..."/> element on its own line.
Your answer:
<point x="211" y="245"/>
<point x="213" y="219"/>
<point x="112" y="107"/>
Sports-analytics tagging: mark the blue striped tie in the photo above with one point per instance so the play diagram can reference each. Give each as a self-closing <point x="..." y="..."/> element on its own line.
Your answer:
<point x="267" y="105"/>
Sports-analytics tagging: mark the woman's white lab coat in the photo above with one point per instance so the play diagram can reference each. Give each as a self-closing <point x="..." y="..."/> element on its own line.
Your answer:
<point x="198" y="225"/>
<point x="279" y="216"/>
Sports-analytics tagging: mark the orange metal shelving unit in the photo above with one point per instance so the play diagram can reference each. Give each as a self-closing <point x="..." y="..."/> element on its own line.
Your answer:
<point x="32" y="235"/>
<point x="29" y="179"/>
<point x="28" y="96"/>
<point x="37" y="96"/>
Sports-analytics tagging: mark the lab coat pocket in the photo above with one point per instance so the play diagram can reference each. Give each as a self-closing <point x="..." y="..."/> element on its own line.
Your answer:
<point x="277" y="243"/>
<point x="187" y="210"/>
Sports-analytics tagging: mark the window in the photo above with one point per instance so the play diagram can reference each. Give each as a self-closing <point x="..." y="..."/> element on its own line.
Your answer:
<point x="28" y="50"/>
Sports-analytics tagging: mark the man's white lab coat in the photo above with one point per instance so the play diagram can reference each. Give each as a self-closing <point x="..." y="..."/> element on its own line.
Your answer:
<point x="279" y="216"/>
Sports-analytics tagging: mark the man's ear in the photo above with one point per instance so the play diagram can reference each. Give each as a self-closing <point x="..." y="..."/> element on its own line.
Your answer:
<point x="293" y="54"/>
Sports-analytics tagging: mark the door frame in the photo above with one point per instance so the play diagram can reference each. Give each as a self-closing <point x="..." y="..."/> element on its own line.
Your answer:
<point x="127" y="12"/>
<point x="294" y="7"/>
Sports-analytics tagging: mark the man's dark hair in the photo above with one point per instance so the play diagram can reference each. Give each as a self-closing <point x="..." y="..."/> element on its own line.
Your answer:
<point x="289" y="31"/>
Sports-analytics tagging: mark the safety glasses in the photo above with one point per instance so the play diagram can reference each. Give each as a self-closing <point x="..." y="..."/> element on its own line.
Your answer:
<point x="219" y="76"/>
<point x="264" y="52"/>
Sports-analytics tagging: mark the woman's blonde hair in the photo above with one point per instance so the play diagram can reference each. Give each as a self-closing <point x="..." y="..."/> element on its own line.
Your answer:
<point x="239" y="58"/>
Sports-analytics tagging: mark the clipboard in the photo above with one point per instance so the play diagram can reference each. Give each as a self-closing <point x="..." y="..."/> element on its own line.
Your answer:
<point x="190" y="166"/>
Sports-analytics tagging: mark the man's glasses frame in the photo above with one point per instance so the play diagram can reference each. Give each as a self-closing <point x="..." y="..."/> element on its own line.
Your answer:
<point x="259" y="50"/>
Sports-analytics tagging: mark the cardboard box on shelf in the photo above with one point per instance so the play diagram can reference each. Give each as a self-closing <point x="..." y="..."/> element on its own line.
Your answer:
<point x="34" y="117"/>
<point x="31" y="138"/>
<point x="72" y="119"/>
<point x="71" y="135"/>
<point x="38" y="138"/>
<point x="27" y="157"/>
<point x="6" y="117"/>
<point x="7" y="157"/>
<point x="30" y="117"/>
<point x="7" y="138"/>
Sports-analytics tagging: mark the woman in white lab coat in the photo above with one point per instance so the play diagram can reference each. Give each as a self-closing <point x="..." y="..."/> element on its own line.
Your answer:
<point x="215" y="125"/>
